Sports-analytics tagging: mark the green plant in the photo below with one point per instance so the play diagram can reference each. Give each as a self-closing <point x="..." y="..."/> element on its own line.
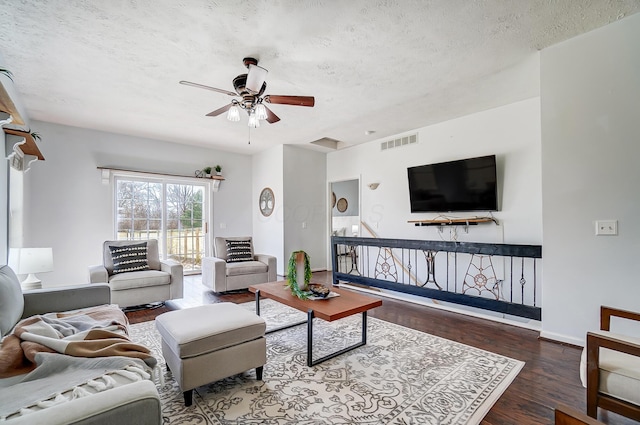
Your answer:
<point x="207" y="170"/>
<point x="36" y="136"/>
<point x="218" y="168"/>
<point x="292" y="275"/>
<point x="7" y="73"/>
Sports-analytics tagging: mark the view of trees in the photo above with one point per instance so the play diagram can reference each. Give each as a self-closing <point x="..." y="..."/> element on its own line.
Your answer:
<point x="142" y="205"/>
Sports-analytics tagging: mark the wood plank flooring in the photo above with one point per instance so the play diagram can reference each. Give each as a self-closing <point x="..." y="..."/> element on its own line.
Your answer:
<point x="549" y="377"/>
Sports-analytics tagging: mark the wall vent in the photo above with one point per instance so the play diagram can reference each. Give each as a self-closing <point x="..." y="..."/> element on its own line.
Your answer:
<point x="399" y="142"/>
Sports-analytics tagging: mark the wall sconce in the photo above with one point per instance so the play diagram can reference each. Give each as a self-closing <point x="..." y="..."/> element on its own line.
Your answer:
<point x="373" y="186"/>
<point x="30" y="261"/>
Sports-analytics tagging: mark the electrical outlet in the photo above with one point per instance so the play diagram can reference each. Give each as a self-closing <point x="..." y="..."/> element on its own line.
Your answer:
<point x="223" y="225"/>
<point x="606" y="227"/>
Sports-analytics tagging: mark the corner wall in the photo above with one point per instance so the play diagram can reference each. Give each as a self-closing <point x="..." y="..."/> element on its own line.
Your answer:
<point x="305" y="196"/>
<point x="590" y="96"/>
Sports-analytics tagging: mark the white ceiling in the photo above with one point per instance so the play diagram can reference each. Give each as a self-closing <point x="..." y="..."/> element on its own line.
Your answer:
<point x="389" y="65"/>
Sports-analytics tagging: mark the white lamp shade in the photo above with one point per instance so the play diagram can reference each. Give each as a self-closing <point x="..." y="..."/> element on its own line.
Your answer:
<point x="31" y="260"/>
<point x="233" y="114"/>
<point x="261" y="112"/>
<point x="255" y="78"/>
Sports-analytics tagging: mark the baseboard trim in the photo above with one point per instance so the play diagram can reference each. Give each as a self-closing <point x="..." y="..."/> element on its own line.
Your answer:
<point x="556" y="337"/>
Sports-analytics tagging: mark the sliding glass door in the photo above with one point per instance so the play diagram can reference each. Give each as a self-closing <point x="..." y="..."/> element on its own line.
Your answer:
<point x="174" y="212"/>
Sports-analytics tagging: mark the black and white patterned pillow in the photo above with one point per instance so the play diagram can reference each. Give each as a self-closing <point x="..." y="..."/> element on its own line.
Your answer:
<point x="238" y="251"/>
<point x="129" y="258"/>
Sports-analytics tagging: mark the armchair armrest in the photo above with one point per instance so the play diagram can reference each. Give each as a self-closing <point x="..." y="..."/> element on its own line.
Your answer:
<point x="176" y="271"/>
<point x="40" y="301"/>
<point x="608" y="340"/>
<point x="565" y="415"/>
<point x="271" y="263"/>
<point x="214" y="273"/>
<point x="98" y="274"/>
<point x="607" y="312"/>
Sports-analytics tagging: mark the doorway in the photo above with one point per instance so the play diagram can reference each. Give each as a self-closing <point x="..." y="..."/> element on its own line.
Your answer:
<point x="345" y="213"/>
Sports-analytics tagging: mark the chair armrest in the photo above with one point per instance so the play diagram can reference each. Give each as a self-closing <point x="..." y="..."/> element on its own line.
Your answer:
<point x="40" y="301"/>
<point x="607" y="312"/>
<point x="176" y="271"/>
<point x="98" y="274"/>
<point x="271" y="263"/>
<point x="214" y="273"/>
<point x="565" y="415"/>
<point x="135" y="403"/>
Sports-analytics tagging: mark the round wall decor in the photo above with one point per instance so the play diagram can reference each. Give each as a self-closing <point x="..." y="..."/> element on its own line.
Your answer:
<point x="333" y="199"/>
<point x="342" y="205"/>
<point x="266" y="202"/>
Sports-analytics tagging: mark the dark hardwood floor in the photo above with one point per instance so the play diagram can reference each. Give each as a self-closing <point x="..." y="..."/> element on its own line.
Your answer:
<point x="549" y="377"/>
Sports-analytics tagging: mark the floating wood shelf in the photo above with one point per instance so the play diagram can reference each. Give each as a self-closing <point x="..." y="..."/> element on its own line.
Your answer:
<point x="453" y="221"/>
<point x="29" y="147"/>
<point x="7" y="105"/>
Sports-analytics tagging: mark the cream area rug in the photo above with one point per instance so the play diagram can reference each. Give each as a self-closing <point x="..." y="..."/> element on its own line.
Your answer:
<point x="401" y="376"/>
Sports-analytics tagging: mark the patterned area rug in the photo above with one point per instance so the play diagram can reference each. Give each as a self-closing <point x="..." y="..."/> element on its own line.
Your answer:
<point x="401" y="376"/>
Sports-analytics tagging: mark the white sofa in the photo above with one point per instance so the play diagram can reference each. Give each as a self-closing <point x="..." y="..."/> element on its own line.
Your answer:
<point x="127" y="402"/>
<point x="223" y="276"/>
<point x="161" y="282"/>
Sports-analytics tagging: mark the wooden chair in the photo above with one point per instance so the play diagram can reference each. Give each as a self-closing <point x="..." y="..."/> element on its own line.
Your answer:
<point x="613" y="379"/>
<point x="565" y="415"/>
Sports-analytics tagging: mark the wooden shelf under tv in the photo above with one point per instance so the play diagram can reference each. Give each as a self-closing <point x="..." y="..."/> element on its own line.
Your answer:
<point x="453" y="221"/>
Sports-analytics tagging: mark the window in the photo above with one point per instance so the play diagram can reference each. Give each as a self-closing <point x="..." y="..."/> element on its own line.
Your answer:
<point x="172" y="211"/>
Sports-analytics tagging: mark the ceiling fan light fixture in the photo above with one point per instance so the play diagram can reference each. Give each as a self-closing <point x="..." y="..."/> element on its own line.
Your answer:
<point x="261" y="112"/>
<point x="253" y="121"/>
<point x="255" y="78"/>
<point x="233" y="114"/>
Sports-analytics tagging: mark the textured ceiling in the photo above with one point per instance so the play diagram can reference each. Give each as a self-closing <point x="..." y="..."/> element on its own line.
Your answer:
<point x="388" y="66"/>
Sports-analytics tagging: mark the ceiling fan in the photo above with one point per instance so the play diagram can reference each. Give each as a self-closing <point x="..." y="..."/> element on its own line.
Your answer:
<point x="250" y="87"/>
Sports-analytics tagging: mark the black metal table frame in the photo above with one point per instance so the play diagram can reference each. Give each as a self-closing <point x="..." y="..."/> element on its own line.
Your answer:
<point x="309" y="322"/>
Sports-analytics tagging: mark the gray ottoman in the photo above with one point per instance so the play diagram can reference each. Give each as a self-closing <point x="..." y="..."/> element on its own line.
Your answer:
<point x="205" y="344"/>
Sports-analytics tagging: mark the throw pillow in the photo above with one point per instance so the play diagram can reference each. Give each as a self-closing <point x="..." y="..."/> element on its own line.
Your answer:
<point x="129" y="258"/>
<point x="238" y="251"/>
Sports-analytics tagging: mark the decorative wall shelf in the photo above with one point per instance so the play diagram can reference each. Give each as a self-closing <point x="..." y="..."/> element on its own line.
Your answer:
<point x="453" y="221"/>
<point x="29" y="147"/>
<point x="7" y="105"/>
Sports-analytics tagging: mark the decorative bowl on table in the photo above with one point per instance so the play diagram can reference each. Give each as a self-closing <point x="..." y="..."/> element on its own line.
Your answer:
<point x="319" y="290"/>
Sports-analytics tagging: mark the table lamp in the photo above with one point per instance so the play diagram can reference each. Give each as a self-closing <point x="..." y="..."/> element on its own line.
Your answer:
<point x="30" y="261"/>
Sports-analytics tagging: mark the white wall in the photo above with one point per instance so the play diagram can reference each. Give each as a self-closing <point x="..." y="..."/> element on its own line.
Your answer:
<point x="268" y="232"/>
<point x="305" y="204"/>
<point x="349" y="191"/>
<point x="590" y="96"/>
<point x="68" y="208"/>
<point x="511" y="132"/>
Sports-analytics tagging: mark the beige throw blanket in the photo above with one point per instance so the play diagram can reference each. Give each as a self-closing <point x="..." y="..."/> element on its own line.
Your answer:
<point x="93" y="332"/>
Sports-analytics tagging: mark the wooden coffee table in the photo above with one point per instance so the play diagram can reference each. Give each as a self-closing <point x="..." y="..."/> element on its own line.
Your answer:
<point x="330" y="309"/>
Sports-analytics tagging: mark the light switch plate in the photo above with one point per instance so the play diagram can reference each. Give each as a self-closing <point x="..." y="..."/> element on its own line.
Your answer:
<point x="606" y="227"/>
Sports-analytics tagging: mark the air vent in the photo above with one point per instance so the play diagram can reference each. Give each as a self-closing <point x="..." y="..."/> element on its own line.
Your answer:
<point x="399" y="142"/>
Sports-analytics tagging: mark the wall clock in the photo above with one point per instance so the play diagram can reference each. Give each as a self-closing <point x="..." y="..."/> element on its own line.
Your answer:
<point x="266" y="202"/>
<point x="342" y="205"/>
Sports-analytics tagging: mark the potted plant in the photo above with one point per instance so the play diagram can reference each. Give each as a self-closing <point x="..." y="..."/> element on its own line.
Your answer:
<point x="299" y="274"/>
<point x="207" y="172"/>
<point x="218" y="169"/>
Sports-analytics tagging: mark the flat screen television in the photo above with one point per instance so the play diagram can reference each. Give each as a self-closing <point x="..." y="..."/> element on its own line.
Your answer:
<point x="463" y="185"/>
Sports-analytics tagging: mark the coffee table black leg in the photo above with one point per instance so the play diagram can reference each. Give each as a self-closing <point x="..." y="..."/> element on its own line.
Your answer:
<point x="310" y="361"/>
<point x="258" y="302"/>
<point x="310" y="338"/>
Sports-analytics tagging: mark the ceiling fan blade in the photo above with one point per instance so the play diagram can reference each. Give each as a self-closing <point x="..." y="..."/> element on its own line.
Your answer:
<point x="271" y="117"/>
<point x="202" y="86"/>
<point x="290" y="100"/>
<point x="255" y="78"/>
<point x="220" y="110"/>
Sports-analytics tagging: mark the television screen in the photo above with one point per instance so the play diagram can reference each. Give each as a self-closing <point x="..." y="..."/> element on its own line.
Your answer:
<point x="464" y="185"/>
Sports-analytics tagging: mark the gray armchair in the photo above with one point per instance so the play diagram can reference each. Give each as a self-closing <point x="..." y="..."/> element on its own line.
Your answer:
<point x="161" y="281"/>
<point x="222" y="274"/>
